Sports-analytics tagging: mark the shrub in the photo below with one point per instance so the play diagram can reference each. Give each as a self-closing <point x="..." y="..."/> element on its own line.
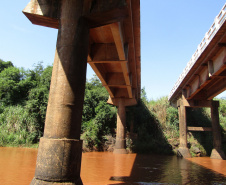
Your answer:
<point x="18" y="127"/>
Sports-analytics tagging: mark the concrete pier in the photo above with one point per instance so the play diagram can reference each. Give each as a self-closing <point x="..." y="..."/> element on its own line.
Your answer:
<point x="120" y="145"/>
<point x="183" y="150"/>
<point x="217" y="152"/>
<point x="106" y="34"/>
<point x="59" y="154"/>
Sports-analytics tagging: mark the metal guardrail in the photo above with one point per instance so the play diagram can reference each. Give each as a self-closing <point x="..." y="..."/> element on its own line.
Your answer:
<point x="219" y="20"/>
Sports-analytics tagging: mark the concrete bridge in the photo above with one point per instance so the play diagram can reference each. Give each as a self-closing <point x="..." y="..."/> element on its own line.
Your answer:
<point x="203" y="78"/>
<point x="106" y="34"/>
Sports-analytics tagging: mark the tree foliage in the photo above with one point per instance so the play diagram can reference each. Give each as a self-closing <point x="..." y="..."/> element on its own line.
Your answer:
<point x="4" y="65"/>
<point x="23" y="101"/>
<point x="99" y="118"/>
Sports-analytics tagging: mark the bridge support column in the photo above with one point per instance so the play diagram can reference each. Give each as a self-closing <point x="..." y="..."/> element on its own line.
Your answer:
<point x="120" y="145"/>
<point x="183" y="150"/>
<point x="59" y="153"/>
<point x="217" y="152"/>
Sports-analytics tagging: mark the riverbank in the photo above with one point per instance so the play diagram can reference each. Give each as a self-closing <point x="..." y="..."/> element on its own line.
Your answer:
<point x="34" y="145"/>
<point x="155" y="129"/>
<point x="152" y="126"/>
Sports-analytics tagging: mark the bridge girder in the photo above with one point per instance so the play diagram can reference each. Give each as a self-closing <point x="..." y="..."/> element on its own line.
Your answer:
<point x="203" y="77"/>
<point x="114" y="46"/>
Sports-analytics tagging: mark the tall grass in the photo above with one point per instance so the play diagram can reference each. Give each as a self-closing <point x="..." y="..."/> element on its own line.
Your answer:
<point x="17" y="127"/>
<point x="168" y="118"/>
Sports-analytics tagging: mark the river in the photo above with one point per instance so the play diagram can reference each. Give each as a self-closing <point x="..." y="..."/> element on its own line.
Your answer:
<point x="17" y="167"/>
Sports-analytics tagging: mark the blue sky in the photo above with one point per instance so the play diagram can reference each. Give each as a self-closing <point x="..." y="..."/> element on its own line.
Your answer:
<point x="170" y="33"/>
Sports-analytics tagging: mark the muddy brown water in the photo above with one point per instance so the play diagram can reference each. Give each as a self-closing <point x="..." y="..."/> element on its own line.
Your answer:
<point x="17" y="167"/>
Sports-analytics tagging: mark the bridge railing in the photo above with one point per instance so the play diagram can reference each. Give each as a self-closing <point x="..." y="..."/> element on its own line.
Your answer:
<point x="219" y="20"/>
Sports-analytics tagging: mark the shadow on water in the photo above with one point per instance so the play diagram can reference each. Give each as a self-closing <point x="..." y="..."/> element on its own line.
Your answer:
<point x="155" y="169"/>
<point x="162" y="169"/>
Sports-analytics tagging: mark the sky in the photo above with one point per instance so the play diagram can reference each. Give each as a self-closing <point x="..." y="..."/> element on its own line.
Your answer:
<point x="171" y="30"/>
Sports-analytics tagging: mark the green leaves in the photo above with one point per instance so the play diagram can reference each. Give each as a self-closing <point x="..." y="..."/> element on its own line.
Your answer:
<point x="9" y="85"/>
<point x="4" y="65"/>
<point x="23" y="102"/>
<point x="98" y="117"/>
<point x="18" y="126"/>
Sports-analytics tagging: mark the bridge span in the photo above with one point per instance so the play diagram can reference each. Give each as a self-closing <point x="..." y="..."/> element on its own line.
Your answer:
<point x="106" y="34"/>
<point x="203" y="78"/>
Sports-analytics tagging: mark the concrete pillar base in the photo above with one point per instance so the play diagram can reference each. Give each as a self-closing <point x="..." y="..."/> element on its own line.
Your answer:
<point x="120" y="146"/>
<point x="120" y="151"/>
<point x="183" y="152"/>
<point x="217" y="154"/>
<point x="41" y="182"/>
<point x="59" y="160"/>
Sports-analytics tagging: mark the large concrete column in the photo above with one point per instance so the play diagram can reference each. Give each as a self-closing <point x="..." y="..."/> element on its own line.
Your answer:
<point x="59" y="154"/>
<point x="217" y="152"/>
<point x="120" y="145"/>
<point x="183" y="150"/>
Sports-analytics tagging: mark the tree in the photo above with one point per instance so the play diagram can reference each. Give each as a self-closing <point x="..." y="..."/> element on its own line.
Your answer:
<point x="9" y="85"/>
<point x="99" y="118"/>
<point x="38" y="96"/>
<point x="4" y="65"/>
<point x="24" y="97"/>
<point x="144" y="95"/>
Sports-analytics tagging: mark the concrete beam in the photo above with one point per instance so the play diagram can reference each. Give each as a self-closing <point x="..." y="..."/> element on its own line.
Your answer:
<point x="43" y="12"/>
<point x="98" y="12"/>
<point x="127" y="101"/>
<point x="199" y="129"/>
<point x="194" y="103"/>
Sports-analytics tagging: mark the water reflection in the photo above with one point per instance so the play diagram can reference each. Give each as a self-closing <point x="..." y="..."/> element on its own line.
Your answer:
<point x="18" y="166"/>
<point x="169" y="170"/>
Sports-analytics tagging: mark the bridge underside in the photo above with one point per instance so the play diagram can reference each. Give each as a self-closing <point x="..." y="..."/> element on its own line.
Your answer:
<point x="114" y="41"/>
<point x="206" y="78"/>
<point x="210" y="78"/>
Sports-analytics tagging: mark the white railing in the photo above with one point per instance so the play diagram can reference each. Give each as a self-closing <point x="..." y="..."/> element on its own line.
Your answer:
<point x="219" y="20"/>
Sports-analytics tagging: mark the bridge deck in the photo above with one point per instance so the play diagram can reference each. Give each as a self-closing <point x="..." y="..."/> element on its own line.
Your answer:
<point x="205" y="74"/>
<point x="114" y="49"/>
<point x="115" y="54"/>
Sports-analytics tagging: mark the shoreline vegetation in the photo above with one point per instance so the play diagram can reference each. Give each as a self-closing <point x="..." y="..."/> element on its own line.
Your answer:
<point x="152" y="125"/>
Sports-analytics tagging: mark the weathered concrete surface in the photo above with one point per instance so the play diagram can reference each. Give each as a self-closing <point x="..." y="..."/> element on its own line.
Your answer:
<point x="41" y="182"/>
<point x="120" y="145"/>
<point x="111" y="23"/>
<point x="58" y="159"/>
<point x="59" y="155"/>
<point x="183" y="150"/>
<point x="217" y="152"/>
